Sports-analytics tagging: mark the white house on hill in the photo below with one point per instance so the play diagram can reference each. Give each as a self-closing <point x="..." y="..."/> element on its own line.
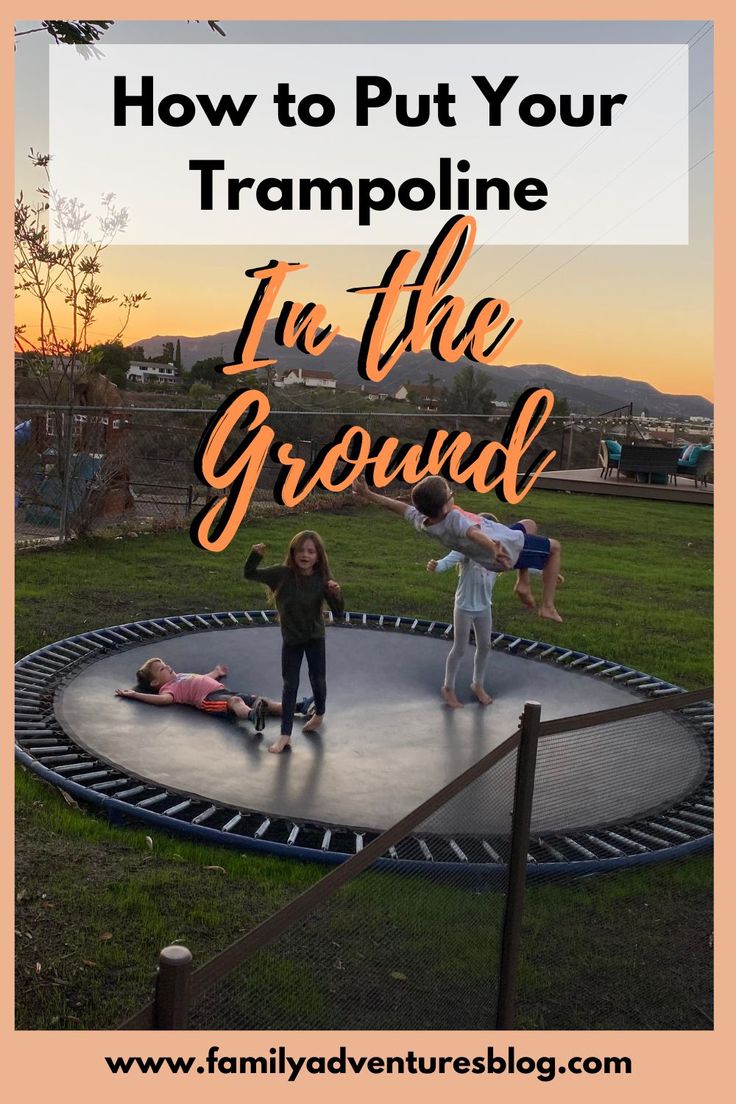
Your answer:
<point x="142" y="371"/>
<point x="306" y="377"/>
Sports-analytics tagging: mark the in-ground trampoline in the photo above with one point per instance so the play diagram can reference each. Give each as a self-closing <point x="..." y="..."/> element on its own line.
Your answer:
<point x="613" y="795"/>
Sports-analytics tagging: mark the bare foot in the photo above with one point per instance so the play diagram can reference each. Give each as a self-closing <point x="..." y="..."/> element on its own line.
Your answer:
<point x="281" y="744"/>
<point x="525" y="596"/>
<point x="550" y="613"/>
<point x="450" y="698"/>
<point x="314" y="722"/>
<point x="480" y="693"/>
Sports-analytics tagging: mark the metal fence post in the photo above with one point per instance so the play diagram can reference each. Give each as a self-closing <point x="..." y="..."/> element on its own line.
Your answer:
<point x="64" y="468"/>
<point x="523" y="795"/>
<point x="172" y="988"/>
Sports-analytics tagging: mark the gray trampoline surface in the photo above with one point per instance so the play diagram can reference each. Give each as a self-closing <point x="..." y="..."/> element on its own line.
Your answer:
<point x="387" y="742"/>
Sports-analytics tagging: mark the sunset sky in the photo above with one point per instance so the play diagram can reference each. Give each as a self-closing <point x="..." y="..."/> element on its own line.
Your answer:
<point x="635" y="311"/>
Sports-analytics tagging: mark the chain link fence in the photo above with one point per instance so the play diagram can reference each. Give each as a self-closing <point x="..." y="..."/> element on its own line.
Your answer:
<point x="79" y="468"/>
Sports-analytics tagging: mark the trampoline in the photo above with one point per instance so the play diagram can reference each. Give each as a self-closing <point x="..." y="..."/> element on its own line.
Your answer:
<point x="386" y="746"/>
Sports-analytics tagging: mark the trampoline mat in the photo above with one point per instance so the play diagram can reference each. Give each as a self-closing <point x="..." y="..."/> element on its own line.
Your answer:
<point x="387" y="742"/>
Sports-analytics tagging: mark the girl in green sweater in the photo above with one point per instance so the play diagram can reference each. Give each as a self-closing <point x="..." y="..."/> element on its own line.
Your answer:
<point x="301" y="586"/>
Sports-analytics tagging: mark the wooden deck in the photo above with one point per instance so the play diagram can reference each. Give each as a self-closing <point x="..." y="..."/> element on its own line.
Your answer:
<point x="588" y="481"/>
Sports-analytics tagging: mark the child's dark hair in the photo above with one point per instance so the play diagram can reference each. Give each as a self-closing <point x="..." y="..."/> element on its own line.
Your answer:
<point x="430" y="495"/>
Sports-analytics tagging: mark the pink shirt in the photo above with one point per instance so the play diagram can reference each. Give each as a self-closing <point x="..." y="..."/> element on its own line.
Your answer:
<point x="190" y="689"/>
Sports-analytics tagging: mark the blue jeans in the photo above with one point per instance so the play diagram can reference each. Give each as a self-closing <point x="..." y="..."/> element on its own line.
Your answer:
<point x="291" y="662"/>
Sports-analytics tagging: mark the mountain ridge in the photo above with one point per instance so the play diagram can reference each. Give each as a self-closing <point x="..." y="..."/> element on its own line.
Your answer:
<point x="585" y="393"/>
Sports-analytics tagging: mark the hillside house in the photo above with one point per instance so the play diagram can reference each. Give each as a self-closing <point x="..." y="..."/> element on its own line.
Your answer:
<point x="142" y="371"/>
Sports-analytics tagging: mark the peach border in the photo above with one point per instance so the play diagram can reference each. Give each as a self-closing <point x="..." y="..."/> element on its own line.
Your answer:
<point x="64" y="1066"/>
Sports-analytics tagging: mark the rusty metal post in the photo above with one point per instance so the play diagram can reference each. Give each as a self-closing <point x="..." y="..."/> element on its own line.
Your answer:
<point x="172" y="988"/>
<point x="521" y="821"/>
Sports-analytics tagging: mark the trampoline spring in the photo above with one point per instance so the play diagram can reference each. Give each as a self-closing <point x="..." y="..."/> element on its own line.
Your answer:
<point x="170" y="621"/>
<point x="648" y="837"/>
<point x="579" y="660"/>
<point x="626" y="842"/>
<point x="188" y="623"/>
<point x="458" y="850"/>
<point x="90" y="644"/>
<point x="262" y="828"/>
<point x="132" y="792"/>
<point x="594" y="666"/>
<point x="91" y="775"/>
<point x="414" y="624"/>
<point x="380" y="622"/>
<point x="202" y="621"/>
<point x="41" y="751"/>
<point x="364" y="620"/>
<point x="425" y="850"/>
<point x="233" y="618"/>
<point x="703" y="808"/>
<point x="447" y="631"/>
<point x="153" y="800"/>
<point x="42" y="668"/>
<point x="159" y="629"/>
<point x="672" y="832"/>
<point x="326" y="839"/>
<point x="534" y="644"/>
<point x="431" y="627"/>
<point x="513" y="644"/>
<point x="104" y="641"/>
<point x="692" y="823"/>
<point x="626" y="673"/>
<point x="247" y="617"/>
<point x="578" y="847"/>
<point x="393" y="853"/>
<point x="293" y="834"/>
<point x="489" y="851"/>
<point x="358" y="842"/>
<point x="564" y="656"/>
<point x="107" y="785"/>
<point x="178" y="808"/>
<point x="604" y="845"/>
<point x="205" y="815"/>
<point x="41" y="744"/>
<point x="639" y="681"/>
<point x="649" y="685"/>
<point x="667" y="690"/>
<point x="547" y="846"/>
<point x="68" y="768"/>
<point x="61" y="754"/>
<point x="141" y="628"/>
<point x="232" y="822"/>
<point x="397" y="623"/>
<point x="264" y="615"/>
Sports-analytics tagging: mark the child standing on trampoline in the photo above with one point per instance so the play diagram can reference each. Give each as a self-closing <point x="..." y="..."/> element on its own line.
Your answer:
<point x="300" y="586"/>
<point x="494" y="546"/>
<point x="472" y="609"/>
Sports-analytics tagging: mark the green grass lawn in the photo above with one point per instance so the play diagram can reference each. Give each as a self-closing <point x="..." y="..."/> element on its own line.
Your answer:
<point x="97" y="903"/>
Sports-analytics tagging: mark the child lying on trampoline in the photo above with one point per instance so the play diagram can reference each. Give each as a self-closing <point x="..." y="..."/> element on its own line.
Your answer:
<point x="494" y="546"/>
<point x="205" y="692"/>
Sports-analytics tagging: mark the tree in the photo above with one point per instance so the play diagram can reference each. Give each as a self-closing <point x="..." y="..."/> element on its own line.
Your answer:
<point x="177" y="356"/>
<point x="113" y="360"/>
<point x="137" y="352"/>
<point x="64" y="283"/>
<point x="470" y="393"/>
<point x="205" y="370"/>
<point x="82" y="32"/>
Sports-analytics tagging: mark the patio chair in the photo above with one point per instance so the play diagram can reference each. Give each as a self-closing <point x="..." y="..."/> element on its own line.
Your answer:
<point x="609" y="457"/>
<point x="696" y="462"/>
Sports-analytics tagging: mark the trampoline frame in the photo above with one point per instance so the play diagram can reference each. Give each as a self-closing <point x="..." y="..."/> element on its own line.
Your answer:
<point x="46" y="749"/>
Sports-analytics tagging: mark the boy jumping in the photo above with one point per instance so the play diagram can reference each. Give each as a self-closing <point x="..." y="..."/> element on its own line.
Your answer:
<point x="496" y="547"/>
